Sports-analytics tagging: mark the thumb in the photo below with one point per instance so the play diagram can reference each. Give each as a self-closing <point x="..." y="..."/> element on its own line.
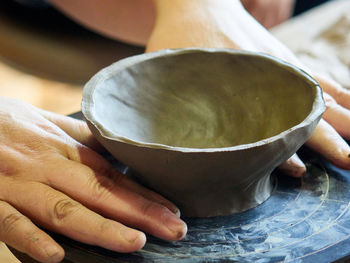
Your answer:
<point x="77" y="129"/>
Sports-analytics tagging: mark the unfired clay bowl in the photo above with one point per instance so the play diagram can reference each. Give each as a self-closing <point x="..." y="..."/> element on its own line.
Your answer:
<point x="203" y="127"/>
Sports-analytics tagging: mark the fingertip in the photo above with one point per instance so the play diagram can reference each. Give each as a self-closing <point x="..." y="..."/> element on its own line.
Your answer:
<point x="294" y="171"/>
<point x="182" y="232"/>
<point x="326" y="141"/>
<point x="139" y="242"/>
<point x="297" y="172"/>
<point x="54" y="254"/>
<point x="135" y="240"/>
<point x="177" y="227"/>
<point x="293" y="167"/>
<point x="341" y="159"/>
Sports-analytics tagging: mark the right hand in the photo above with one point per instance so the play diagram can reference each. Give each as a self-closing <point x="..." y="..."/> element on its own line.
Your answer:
<point x="226" y="24"/>
<point x="51" y="177"/>
<point x="269" y="13"/>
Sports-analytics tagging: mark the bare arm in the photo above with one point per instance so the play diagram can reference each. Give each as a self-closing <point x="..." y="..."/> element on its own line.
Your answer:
<point x="226" y="24"/>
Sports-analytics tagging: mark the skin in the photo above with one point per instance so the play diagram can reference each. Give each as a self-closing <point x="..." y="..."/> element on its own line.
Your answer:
<point x="51" y="174"/>
<point x="226" y="24"/>
<point x="45" y="160"/>
<point x="269" y="13"/>
<point x="118" y="19"/>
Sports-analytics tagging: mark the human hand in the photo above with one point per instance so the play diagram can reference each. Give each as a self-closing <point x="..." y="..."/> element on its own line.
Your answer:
<point x="50" y="177"/>
<point x="225" y="24"/>
<point x="269" y="13"/>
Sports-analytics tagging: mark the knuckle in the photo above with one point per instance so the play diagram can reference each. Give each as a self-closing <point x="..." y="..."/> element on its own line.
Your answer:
<point x="82" y="127"/>
<point x="149" y="208"/>
<point x="31" y="240"/>
<point x="63" y="209"/>
<point x="108" y="171"/>
<point x="49" y="128"/>
<point x="100" y="186"/>
<point x="74" y="150"/>
<point x="10" y="222"/>
<point x="106" y="226"/>
<point x="117" y="177"/>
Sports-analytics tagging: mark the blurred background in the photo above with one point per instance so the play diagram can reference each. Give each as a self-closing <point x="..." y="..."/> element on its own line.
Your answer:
<point x="45" y="58"/>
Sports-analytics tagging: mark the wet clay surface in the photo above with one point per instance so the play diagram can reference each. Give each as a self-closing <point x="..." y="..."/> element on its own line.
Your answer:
<point x="203" y="127"/>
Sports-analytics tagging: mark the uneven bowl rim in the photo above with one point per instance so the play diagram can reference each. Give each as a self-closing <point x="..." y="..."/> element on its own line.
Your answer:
<point x="318" y="106"/>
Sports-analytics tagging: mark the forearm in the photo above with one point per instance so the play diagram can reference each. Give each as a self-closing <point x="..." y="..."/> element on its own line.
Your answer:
<point x="195" y="9"/>
<point x="200" y="23"/>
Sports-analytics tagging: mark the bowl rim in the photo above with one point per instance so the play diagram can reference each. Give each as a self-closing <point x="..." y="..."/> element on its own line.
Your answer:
<point x="318" y="106"/>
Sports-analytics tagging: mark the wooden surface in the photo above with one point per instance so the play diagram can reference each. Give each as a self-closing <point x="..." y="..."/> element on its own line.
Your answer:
<point x="48" y="69"/>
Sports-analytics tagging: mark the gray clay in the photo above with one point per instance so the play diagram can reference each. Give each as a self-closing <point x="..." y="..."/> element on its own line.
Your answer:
<point x="203" y="127"/>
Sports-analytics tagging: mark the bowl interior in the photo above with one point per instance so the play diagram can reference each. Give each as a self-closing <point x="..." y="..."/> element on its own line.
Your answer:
<point x="202" y="100"/>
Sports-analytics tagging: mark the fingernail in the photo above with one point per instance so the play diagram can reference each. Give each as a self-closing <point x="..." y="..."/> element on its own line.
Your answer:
<point x="175" y="225"/>
<point x="54" y="253"/>
<point x="175" y="210"/>
<point x="172" y="208"/>
<point x="130" y="235"/>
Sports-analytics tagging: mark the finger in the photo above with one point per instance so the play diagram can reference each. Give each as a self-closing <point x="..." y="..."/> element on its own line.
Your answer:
<point x="84" y="155"/>
<point x="59" y="213"/>
<point x="341" y="95"/>
<point x="80" y="132"/>
<point x="293" y="166"/>
<point x="330" y="144"/>
<point x="337" y="116"/>
<point x="98" y="164"/>
<point x="77" y="129"/>
<point x="19" y="232"/>
<point x="108" y="196"/>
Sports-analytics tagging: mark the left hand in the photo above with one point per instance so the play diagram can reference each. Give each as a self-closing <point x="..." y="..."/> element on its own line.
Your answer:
<point x="51" y="176"/>
<point x="225" y="24"/>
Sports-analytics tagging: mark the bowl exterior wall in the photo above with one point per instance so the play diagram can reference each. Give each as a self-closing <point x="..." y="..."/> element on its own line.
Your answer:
<point x="213" y="181"/>
<point x="205" y="184"/>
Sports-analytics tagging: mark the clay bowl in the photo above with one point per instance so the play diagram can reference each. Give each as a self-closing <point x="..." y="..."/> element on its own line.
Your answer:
<point x="203" y="127"/>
